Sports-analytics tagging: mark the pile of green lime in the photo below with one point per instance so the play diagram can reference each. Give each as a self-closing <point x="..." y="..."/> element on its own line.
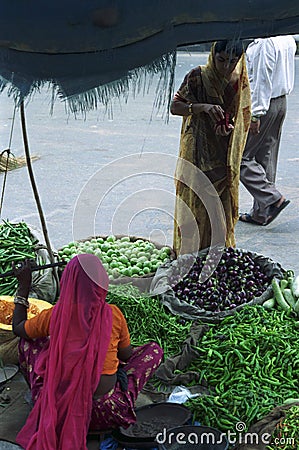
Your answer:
<point x="121" y="257"/>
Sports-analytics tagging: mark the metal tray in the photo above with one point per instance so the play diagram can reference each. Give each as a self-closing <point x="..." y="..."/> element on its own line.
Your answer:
<point x="7" y="372"/>
<point x="153" y="418"/>
<point x="7" y="445"/>
<point x="132" y="443"/>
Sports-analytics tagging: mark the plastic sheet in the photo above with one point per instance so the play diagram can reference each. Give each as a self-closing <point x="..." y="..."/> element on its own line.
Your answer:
<point x="44" y="284"/>
<point x="160" y="286"/>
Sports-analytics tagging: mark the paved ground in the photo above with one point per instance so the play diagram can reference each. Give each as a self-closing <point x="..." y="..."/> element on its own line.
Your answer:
<point x="13" y="415"/>
<point x="93" y="172"/>
<point x="134" y="191"/>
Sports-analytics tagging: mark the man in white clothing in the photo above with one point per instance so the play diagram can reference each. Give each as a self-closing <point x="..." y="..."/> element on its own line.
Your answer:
<point x="271" y="70"/>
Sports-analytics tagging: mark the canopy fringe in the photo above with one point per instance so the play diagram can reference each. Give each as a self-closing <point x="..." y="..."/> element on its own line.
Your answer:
<point x="136" y="81"/>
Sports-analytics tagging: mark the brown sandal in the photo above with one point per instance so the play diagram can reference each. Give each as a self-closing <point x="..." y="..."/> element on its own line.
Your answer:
<point x="248" y="219"/>
<point x="275" y="211"/>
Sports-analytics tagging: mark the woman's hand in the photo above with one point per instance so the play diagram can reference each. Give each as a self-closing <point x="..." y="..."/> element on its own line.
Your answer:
<point x="22" y="271"/>
<point x="215" y="112"/>
<point x="224" y="130"/>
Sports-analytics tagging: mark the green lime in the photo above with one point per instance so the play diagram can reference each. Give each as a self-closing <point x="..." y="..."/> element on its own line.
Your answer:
<point x="124" y="260"/>
<point x="163" y="256"/>
<point x="143" y="259"/>
<point x="166" y="250"/>
<point x="127" y="272"/>
<point x="105" y="247"/>
<point x="115" y="273"/>
<point x="140" y="254"/>
<point x="154" y="262"/>
<point x="114" y="264"/>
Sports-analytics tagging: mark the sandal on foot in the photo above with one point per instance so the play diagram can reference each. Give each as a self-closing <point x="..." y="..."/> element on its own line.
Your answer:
<point x="275" y="211"/>
<point x="248" y="219"/>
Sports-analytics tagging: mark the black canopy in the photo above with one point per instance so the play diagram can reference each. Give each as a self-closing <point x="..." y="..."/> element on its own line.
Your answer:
<point x="93" y="49"/>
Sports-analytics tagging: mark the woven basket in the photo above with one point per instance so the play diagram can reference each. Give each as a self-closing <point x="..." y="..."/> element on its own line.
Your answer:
<point x="142" y="282"/>
<point x="161" y="286"/>
<point x="8" y="340"/>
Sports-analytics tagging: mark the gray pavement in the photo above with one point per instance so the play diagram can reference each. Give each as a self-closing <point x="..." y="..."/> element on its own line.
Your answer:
<point x="104" y="158"/>
<point x="96" y="154"/>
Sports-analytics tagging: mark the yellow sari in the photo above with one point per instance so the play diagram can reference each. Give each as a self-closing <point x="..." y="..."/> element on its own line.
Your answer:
<point x="209" y="164"/>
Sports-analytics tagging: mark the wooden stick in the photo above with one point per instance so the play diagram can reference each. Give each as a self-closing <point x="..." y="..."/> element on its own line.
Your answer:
<point x="35" y="191"/>
<point x="10" y="273"/>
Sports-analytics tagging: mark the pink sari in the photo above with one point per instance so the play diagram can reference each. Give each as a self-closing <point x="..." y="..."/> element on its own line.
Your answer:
<point x="72" y="362"/>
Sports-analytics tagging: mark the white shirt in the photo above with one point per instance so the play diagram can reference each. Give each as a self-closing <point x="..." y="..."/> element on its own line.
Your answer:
<point x="271" y="70"/>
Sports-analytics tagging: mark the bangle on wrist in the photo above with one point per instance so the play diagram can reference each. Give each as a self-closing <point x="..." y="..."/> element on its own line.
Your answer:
<point x="255" y="118"/>
<point x="21" y="301"/>
<point x="190" y="110"/>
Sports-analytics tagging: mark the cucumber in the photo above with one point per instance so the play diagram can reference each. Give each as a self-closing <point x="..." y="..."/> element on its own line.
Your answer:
<point x="289" y="401"/>
<point x="287" y="293"/>
<point x="279" y="296"/>
<point x="283" y="284"/>
<point x="295" y="287"/>
<point x="270" y="303"/>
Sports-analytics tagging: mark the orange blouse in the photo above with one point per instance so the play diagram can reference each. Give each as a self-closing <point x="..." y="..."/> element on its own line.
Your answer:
<point x="39" y="326"/>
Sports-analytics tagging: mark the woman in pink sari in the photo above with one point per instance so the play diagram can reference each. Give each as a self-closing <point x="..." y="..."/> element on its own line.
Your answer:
<point x="71" y="355"/>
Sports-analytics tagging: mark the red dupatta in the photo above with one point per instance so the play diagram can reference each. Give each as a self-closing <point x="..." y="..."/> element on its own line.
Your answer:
<point x="71" y="365"/>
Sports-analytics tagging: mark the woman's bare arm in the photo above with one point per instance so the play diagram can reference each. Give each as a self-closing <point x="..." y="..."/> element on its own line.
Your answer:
<point x="181" y="108"/>
<point x="24" y="277"/>
<point x="125" y="353"/>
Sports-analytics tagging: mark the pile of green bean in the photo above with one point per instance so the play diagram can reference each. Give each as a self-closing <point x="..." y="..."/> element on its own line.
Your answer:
<point x="16" y="244"/>
<point x="286" y="433"/>
<point x="148" y="320"/>
<point x="250" y="362"/>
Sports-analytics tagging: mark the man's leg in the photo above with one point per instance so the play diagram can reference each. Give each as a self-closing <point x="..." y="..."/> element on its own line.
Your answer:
<point x="259" y="162"/>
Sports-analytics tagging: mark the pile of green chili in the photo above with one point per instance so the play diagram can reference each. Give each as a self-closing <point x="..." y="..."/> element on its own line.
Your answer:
<point x="250" y="362"/>
<point x="17" y="244"/>
<point x="148" y="320"/>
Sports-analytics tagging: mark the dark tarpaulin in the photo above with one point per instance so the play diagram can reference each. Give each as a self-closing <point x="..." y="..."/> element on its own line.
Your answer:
<point x="93" y="50"/>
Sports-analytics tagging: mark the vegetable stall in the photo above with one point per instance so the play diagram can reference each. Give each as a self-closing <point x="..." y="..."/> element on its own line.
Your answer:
<point x="239" y="352"/>
<point x="236" y="335"/>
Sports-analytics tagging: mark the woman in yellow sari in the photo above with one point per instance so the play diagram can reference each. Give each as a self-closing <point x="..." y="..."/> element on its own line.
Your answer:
<point x="214" y="101"/>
